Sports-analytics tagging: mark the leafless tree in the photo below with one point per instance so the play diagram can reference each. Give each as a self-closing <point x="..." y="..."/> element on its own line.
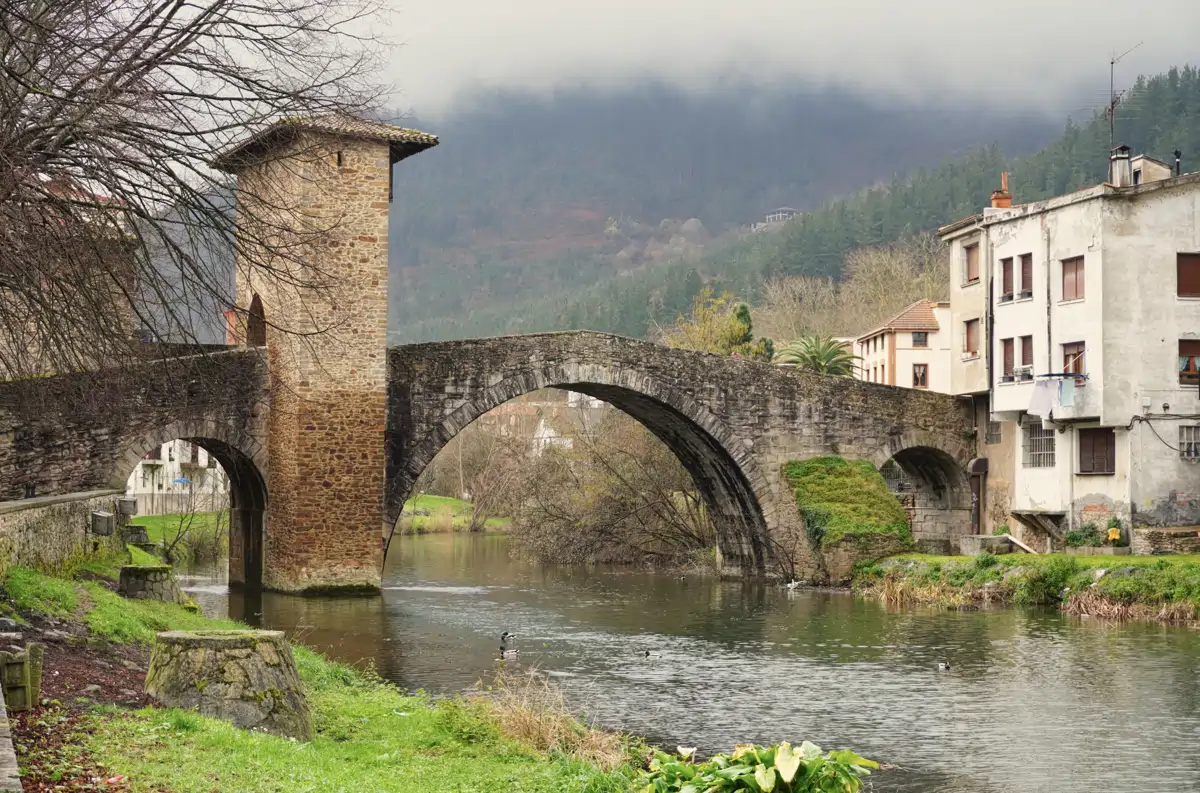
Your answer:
<point x="877" y="283"/>
<point x="112" y="112"/>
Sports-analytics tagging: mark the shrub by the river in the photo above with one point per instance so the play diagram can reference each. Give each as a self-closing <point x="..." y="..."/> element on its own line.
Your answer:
<point x="1086" y="536"/>
<point x="839" y="498"/>
<point x="760" y="769"/>
<point x="1130" y="587"/>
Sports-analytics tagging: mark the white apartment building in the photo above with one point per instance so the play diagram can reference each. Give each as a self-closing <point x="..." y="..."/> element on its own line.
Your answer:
<point x="912" y="349"/>
<point x="1076" y="326"/>
<point x="178" y="477"/>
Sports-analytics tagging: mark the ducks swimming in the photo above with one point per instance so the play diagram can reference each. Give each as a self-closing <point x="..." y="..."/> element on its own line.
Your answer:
<point x="505" y="650"/>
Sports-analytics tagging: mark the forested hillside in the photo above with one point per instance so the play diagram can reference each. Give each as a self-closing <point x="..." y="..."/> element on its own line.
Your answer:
<point x="1161" y="114"/>
<point x="529" y="196"/>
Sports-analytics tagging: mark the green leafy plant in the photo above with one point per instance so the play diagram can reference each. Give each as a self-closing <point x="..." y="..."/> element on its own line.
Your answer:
<point x="1001" y="529"/>
<point x="1086" y="536"/>
<point x="761" y="769"/>
<point x="820" y="354"/>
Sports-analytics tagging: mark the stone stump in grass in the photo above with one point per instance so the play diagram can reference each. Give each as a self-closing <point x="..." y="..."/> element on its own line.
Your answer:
<point x="246" y="677"/>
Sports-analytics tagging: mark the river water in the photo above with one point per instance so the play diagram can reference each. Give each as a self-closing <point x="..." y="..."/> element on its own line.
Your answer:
<point x="1033" y="701"/>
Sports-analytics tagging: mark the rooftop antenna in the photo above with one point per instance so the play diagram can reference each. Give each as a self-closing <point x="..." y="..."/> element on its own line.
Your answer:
<point x="1114" y="98"/>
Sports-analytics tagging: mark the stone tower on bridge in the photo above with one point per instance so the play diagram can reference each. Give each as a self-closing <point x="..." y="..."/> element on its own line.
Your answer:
<point x="312" y="276"/>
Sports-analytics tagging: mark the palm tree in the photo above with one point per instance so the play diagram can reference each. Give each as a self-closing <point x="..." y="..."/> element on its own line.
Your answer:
<point x="820" y="354"/>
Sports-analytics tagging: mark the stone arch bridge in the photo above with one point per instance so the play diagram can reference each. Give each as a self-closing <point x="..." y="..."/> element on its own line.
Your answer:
<point x="733" y="423"/>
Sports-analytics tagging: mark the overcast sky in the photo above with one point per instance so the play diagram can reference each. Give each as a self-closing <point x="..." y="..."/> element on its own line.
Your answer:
<point x="1036" y="54"/>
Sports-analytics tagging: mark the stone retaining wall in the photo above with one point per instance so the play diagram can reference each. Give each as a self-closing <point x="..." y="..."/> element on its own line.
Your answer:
<point x="150" y="582"/>
<point x="45" y="533"/>
<point x="1148" y="542"/>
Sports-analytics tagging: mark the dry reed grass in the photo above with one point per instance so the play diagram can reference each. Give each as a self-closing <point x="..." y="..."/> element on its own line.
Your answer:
<point x="441" y="519"/>
<point x="1094" y="604"/>
<point x="895" y="590"/>
<point x="529" y="709"/>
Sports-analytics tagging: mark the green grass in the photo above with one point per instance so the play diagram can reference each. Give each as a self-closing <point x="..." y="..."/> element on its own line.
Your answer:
<point x="139" y="557"/>
<point x="1135" y="587"/>
<point x="160" y="527"/>
<point x="370" y="736"/>
<point x="32" y="592"/>
<point x="840" y="498"/>
<point x="445" y="515"/>
<point x="1033" y="560"/>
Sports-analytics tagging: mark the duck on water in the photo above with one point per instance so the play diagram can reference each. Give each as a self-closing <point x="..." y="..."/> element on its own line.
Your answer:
<point x="506" y="651"/>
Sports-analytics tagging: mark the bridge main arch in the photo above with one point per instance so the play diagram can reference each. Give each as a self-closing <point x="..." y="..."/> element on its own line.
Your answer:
<point x="722" y="467"/>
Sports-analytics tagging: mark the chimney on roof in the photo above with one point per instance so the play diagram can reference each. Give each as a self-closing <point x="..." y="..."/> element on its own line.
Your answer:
<point x="1002" y="199"/>
<point x="1119" y="172"/>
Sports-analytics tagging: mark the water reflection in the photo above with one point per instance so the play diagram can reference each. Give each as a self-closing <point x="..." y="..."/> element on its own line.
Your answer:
<point x="1034" y="701"/>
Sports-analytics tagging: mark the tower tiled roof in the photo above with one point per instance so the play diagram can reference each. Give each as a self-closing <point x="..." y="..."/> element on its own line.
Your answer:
<point x="404" y="142"/>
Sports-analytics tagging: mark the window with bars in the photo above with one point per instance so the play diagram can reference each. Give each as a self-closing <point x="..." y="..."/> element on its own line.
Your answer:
<point x="1189" y="441"/>
<point x="994" y="434"/>
<point x="1098" y="451"/>
<point x="1038" y="446"/>
<point x="1072" y="279"/>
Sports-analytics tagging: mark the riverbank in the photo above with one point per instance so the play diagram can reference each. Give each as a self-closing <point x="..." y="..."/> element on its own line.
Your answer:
<point x="1154" y="588"/>
<point x="425" y="514"/>
<point x="95" y="730"/>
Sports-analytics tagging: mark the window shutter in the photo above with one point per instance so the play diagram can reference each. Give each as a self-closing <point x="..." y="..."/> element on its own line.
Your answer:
<point x="1087" y="449"/>
<point x="1027" y="272"/>
<point x="1026" y="351"/>
<point x="1189" y="347"/>
<point x="1006" y="269"/>
<point x="1188" y="272"/>
<point x="1008" y="356"/>
<point x="1110" y="451"/>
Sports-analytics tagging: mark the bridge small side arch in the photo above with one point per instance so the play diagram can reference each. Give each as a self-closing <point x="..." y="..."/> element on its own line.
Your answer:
<point x="935" y="490"/>
<point x="241" y="457"/>
<point x="724" y="472"/>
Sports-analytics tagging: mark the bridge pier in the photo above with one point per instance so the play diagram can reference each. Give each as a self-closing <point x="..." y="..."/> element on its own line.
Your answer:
<point x="322" y="185"/>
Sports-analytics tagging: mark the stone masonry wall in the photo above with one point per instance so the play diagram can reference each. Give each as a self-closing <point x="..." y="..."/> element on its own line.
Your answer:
<point x="327" y="346"/>
<point x="733" y="423"/>
<point x="1147" y="542"/>
<point x="81" y="432"/>
<point x="45" y="533"/>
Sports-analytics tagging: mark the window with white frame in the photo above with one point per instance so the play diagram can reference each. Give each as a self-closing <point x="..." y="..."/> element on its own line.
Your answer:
<point x="1037" y="445"/>
<point x="1189" y="441"/>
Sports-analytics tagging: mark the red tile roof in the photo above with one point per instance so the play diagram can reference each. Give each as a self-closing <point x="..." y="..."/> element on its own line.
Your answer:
<point x="918" y="316"/>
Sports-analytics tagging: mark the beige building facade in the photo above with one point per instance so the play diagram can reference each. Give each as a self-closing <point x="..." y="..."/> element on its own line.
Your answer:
<point x="1077" y="324"/>
<point x="911" y="349"/>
